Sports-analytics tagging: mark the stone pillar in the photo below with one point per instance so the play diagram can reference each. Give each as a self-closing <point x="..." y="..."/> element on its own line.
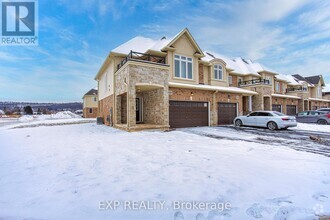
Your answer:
<point x="250" y="103"/>
<point x="131" y="107"/>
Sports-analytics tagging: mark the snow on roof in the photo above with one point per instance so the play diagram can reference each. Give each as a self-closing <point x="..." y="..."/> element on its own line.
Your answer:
<point x="285" y="96"/>
<point x="282" y="77"/>
<point x="213" y="88"/>
<point x="293" y="81"/>
<point x="139" y="44"/>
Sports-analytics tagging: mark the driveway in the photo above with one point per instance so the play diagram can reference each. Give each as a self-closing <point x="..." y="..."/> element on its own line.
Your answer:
<point x="295" y="139"/>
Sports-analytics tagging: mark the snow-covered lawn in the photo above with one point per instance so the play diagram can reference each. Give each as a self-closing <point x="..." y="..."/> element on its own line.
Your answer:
<point x="64" y="172"/>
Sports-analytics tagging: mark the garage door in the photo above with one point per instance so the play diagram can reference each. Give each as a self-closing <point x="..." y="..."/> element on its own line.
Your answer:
<point x="188" y="114"/>
<point x="226" y="113"/>
<point x="277" y="108"/>
<point x="291" y="110"/>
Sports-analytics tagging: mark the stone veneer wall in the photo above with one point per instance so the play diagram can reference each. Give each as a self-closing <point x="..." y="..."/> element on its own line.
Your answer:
<point x="153" y="107"/>
<point x="140" y="73"/>
<point x="258" y="100"/>
<point x="106" y="105"/>
<point x="201" y="73"/>
<point x="86" y="113"/>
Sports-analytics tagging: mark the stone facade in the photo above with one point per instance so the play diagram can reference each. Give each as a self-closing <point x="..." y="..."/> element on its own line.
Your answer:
<point x="87" y="114"/>
<point x="284" y="102"/>
<point x="201" y="73"/>
<point x="147" y="81"/>
<point x="258" y="101"/>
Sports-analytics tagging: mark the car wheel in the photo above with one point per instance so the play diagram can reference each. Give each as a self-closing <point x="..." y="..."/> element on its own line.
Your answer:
<point x="238" y="123"/>
<point x="322" y="122"/>
<point x="272" y="125"/>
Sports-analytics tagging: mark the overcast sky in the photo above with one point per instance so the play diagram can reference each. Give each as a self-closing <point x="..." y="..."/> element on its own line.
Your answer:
<point x="74" y="39"/>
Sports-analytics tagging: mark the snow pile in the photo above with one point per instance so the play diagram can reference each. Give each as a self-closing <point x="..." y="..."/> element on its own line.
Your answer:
<point x="58" y="115"/>
<point x="2" y="112"/>
<point x="312" y="127"/>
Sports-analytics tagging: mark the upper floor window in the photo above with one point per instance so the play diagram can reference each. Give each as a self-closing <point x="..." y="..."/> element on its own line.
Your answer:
<point x="183" y="67"/>
<point x="95" y="99"/>
<point x="218" y="72"/>
<point x="277" y="87"/>
<point x="319" y="91"/>
<point x="230" y="80"/>
<point x="269" y="79"/>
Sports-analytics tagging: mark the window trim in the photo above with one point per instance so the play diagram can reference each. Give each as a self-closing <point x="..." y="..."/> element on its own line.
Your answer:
<point x="222" y="69"/>
<point x="230" y="77"/>
<point x="187" y="61"/>
<point x="277" y="87"/>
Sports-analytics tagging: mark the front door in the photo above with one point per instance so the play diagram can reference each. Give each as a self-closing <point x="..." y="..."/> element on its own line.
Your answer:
<point x="138" y="104"/>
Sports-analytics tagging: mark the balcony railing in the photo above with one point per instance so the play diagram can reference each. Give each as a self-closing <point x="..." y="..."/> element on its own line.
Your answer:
<point x="141" y="57"/>
<point x="298" y="89"/>
<point x="254" y="82"/>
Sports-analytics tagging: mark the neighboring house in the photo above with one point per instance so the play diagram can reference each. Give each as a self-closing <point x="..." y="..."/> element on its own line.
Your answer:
<point x="326" y="95"/>
<point x="171" y="83"/>
<point x="90" y="104"/>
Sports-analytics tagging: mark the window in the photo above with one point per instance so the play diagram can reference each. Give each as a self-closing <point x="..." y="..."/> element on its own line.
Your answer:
<point x="319" y="91"/>
<point x="314" y="113"/>
<point x="218" y="73"/>
<point x="277" y="87"/>
<point x="254" y="114"/>
<point x="302" y="113"/>
<point x="90" y="111"/>
<point x="269" y="79"/>
<point x="183" y="67"/>
<point x="95" y="99"/>
<point x="264" y="114"/>
<point x="230" y="80"/>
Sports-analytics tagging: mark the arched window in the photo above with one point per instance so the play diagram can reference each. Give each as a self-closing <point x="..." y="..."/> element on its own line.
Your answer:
<point x="218" y="72"/>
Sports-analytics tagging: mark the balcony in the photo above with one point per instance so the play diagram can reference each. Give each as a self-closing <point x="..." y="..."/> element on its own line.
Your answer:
<point x="297" y="89"/>
<point x="142" y="57"/>
<point x="254" y="82"/>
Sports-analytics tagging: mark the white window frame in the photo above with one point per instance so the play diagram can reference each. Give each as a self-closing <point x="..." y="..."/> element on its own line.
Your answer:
<point x="187" y="60"/>
<point x="230" y="80"/>
<point x="277" y="86"/>
<point x="217" y="69"/>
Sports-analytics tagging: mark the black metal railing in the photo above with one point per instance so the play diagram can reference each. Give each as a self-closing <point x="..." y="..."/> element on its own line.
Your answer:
<point x="254" y="82"/>
<point x="141" y="57"/>
<point x="297" y="89"/>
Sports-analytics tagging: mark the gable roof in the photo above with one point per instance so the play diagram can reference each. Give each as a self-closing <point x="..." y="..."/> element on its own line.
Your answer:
<point x="315" y="79"/>
<point x="311" y="80"/>
<point x="190" y="37"/>
<point x="93" y="91"/>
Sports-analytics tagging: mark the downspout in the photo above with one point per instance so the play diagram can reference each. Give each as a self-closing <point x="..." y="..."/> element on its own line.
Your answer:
<point x="214" y="109"/>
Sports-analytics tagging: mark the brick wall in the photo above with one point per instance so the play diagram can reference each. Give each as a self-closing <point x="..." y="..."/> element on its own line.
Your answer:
<point x="87" y="114"/>
<point x="105" y="105"/>
<point x="180" y="94"/>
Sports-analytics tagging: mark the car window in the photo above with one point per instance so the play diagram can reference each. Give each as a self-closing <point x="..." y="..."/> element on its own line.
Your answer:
<point x="254" y="114"/>
<point x="278" y="113"/>
<point x="303" y="113"/>
<point x="314" y="113"/>
<point x="264" y="114"/>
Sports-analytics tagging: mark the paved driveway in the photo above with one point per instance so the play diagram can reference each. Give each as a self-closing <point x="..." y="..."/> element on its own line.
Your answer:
<point x="296" y="139"/>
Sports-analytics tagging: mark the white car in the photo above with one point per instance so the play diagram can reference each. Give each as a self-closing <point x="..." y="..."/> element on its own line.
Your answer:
<point x="269" y="119"/>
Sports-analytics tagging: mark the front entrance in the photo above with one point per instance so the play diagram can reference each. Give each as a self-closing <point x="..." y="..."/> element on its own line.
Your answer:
<point x="188" y="114"/>
<point x="227" y="112"/>
<point x="277" y="108"/>
<point x="139" y="109"/>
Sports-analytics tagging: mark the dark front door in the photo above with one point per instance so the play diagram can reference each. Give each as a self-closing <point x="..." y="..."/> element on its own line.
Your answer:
<point x="227" y="112"/>
<point x="188" y="114"/>
<point x="291" y="110"/>
<point x="277" y="108"/>
<point x="138" y="103"/>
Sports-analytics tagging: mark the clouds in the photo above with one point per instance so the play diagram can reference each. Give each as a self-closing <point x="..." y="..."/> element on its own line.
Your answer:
<point x="287" y="36"/>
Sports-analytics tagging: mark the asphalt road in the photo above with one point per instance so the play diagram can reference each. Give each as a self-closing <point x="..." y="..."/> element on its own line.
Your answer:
<point x="296" y="139"/>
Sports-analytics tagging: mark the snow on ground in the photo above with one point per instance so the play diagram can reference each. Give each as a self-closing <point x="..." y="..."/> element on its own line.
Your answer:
<point x="63" y="172"/>
<point x="312" y="127"/>
<point x="60" y="118"/>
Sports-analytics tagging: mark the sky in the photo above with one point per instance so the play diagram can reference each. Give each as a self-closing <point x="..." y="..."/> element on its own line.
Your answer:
<point x="75" y="37"/>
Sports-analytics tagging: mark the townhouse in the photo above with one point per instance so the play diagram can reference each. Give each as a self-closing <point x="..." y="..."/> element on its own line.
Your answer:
<point x="90" y="104"/>
<point x="172" y="83"/>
